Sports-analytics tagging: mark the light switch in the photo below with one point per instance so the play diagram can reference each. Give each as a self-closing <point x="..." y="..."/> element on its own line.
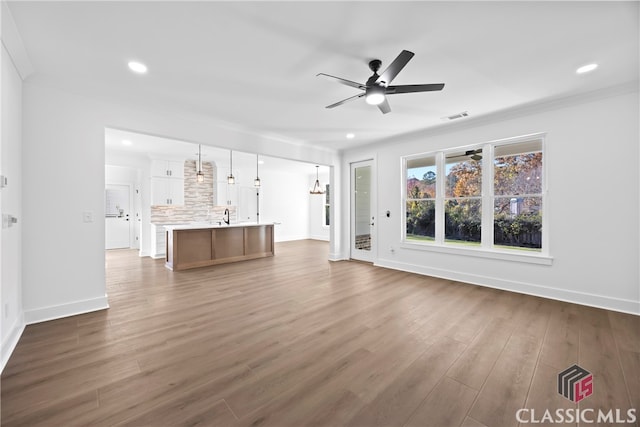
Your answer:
<point x="8" y="220"/>
<point x="87" y="216"/>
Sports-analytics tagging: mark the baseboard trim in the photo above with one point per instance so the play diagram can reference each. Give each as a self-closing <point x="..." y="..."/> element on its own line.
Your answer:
<point x="582" y="298"/>
<point x="11" y="340"/>
<point x="65" y="310"/>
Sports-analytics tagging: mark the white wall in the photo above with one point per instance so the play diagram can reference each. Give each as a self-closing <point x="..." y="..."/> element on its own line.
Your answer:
<point x="283" y="200"/>
<point x="12" y="322"/>
<point x="64" y="141"/>
<point x="592" y="170"/>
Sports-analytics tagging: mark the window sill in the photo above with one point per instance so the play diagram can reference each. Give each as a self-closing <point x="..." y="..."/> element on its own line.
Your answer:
<point x="530" y="258"/>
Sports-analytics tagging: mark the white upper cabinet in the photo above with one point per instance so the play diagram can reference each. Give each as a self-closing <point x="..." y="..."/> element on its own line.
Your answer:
<point x="167" y="182"/>
<point x="227" y="194"/>
<point x="167" y="169"/>
<point x="167" y="191"/>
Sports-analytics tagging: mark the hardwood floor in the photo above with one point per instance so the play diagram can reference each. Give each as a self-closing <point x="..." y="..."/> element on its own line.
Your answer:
<point x="295" y="340"/>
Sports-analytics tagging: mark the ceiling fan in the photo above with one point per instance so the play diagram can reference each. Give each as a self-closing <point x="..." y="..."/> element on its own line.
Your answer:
<point x="377" y="86"/>
<point x="473" y="154"/>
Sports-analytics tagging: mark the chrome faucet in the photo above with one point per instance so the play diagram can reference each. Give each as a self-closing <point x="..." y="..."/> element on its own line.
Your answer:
<point x="226" y="220"/>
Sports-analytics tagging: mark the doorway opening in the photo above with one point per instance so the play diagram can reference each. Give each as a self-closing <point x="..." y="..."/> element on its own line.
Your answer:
<point x="122" y="208"/>
<point x="362" y="211"/>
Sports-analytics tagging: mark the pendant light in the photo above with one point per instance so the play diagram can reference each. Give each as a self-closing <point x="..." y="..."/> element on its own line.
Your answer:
<point x="230" y="178"/>
<point x="199" y="173"/>
<point x="256" y="182"/>
<point x="317" y="189"/>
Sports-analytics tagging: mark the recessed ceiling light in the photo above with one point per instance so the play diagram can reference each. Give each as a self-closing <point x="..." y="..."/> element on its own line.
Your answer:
<point x="126" y="142"/>
<point x="586" y="68"/>
<point x="350" y="136"/>
<point x="261" y="162"/>
<point x="137" y="67"/>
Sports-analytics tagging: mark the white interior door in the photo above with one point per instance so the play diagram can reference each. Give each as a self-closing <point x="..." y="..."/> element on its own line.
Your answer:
<point x="363" y="220"/>
<point x="117" y="216"/>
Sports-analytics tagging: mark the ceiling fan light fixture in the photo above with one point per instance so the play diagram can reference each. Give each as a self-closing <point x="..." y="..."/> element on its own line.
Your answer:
<point x="374" y="98"/>
<point x="375" y="95"/>
<point x="377" y="86"/>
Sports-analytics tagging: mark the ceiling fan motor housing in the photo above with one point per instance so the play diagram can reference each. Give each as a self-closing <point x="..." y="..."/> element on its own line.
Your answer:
<point x="374" y="65"/>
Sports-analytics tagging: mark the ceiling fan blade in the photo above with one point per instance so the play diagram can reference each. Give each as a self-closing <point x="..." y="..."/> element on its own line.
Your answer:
<point x="360" y="95"/>
<point x="469" y="153"/>
<point x="395" y="67"/>
<point x="344" y="81"/>
<point x="384" y="106"/>
<point x="414" y="88"/>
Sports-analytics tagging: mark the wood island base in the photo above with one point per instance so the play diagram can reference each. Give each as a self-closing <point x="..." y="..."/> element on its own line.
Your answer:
<point x="189" y="247"/>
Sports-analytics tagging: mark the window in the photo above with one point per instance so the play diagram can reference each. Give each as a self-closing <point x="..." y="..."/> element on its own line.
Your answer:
<point x="490" y="197"/>
<point x="327" y="207"/>
<point x="463" y="197"/>
<point x="517" y="190"/>
<point x="421" y="198"/>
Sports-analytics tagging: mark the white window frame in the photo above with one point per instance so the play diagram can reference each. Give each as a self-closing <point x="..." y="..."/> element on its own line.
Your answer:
<point x="405" y="196"/>
<point x="486" y="249"/>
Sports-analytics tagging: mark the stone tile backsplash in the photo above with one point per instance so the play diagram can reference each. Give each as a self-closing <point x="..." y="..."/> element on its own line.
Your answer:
<point x="198" y="200"/>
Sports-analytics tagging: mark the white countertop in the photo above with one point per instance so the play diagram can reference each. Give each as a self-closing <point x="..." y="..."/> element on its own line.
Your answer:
<point x="205" y="225"/>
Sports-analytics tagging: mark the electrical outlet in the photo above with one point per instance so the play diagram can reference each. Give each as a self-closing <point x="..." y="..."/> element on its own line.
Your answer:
<point x="6" y="310"/>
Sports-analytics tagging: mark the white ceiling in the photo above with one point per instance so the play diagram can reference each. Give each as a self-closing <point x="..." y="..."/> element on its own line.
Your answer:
<point x="254" y="64"/>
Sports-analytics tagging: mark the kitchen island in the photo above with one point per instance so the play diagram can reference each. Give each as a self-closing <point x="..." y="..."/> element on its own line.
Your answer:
<point x="201" y="245"/>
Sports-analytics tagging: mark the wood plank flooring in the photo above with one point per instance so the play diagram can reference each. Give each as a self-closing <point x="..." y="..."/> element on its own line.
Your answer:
<point x="295" y="340"/>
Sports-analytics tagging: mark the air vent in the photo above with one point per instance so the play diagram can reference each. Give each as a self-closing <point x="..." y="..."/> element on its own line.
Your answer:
<point x="456" y="116"/>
